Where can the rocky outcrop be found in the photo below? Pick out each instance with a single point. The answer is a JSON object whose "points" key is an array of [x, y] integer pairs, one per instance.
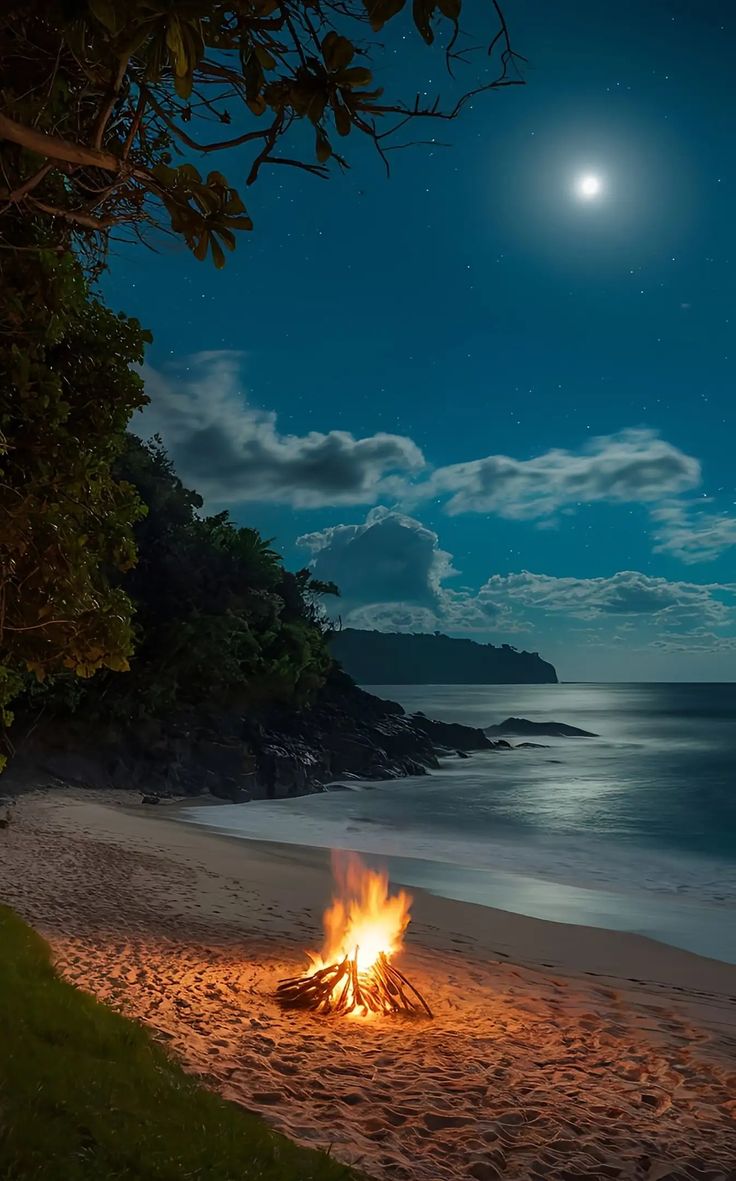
{"points": [[518, 726], [270, 754]]}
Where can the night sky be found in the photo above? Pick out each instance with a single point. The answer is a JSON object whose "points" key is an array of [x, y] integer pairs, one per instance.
{"points": [[482, 400]]}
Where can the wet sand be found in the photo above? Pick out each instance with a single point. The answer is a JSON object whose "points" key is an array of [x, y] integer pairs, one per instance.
{"points": [[556, 1052]]}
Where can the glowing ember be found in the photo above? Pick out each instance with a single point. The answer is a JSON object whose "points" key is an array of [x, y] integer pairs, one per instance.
{"points": [[364, 927]]}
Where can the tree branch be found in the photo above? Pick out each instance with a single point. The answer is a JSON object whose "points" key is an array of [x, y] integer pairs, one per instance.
{"points": [[54, 148]]}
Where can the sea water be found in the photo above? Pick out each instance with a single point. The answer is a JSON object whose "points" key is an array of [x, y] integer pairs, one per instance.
{"points": [[633, 830]]}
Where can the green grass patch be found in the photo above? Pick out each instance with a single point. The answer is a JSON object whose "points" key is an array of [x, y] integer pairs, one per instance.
{"points": [[86, 1095]]}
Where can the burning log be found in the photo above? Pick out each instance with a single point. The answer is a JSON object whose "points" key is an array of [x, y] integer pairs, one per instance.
{"points": [[341, 988], [363, 929]]}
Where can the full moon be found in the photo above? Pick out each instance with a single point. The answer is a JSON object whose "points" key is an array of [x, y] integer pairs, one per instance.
{"points": [[588, 186]]}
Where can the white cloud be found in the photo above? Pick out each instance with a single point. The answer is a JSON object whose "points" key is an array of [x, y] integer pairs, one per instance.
{"points": [[232, 452], [693, 533], [628, 593], [393, 575], [633, 465]]}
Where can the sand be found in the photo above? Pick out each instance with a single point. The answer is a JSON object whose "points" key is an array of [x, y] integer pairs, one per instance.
{"points": [[555, 1053]]}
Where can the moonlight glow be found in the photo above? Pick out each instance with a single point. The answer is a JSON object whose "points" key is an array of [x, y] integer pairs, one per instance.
{"points": [[589, 186]]}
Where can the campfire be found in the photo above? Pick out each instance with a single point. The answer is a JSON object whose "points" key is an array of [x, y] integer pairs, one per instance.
{"points": [[354, 973]]}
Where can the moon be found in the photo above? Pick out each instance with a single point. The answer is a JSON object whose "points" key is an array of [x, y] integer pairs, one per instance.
{"points": [[589, 186]]}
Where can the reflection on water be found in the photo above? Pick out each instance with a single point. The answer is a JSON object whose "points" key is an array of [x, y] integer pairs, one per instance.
{"points": [[634, 830]]}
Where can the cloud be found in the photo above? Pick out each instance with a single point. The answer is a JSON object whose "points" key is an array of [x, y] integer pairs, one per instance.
{"points": [[389, 558], [628, 594], [233, 452], [391, 572], [393, 575], [633, 465], [692, 533]]}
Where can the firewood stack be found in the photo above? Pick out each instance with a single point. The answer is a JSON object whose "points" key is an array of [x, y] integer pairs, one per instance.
{"points": [[341, 989]]}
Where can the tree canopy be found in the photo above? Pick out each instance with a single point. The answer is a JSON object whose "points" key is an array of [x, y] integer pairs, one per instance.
{"points": [[106, 103], [67, 394], [217, 617]]}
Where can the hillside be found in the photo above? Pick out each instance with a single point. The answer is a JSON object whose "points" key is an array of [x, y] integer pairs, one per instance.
{"points": [[398, 658]]}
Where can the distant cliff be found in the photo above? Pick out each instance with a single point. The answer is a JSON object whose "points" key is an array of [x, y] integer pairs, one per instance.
{"points": [[399, 658]]}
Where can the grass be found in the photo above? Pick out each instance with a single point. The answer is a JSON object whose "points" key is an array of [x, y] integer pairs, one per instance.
{"points": [[86, 1095]]}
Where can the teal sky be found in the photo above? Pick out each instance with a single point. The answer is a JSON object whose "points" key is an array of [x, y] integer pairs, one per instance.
{"points": [[477, 399]]}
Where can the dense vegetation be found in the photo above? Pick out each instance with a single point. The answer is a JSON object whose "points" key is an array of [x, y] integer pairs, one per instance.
{"points": [[397, 658], [66, 394], [85, 1094], [217, 617], [103, 98]]}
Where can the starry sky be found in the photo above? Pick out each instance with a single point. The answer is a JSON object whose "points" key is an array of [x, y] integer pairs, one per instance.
{"points": [[478, 400]]}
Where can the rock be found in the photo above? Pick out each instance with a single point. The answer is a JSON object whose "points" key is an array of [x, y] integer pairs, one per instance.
{"points": [[452, 734], [150, 799], [524, 726], [531, 746], [270, 753]]}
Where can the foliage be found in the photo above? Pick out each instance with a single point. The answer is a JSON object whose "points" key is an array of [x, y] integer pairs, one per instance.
{"points": [[66, 393], [86, 1094], [103, 98], [217, 617]]}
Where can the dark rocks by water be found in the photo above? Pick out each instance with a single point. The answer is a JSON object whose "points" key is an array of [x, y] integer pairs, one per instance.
{"points": [[267, 754], [520, 726]]}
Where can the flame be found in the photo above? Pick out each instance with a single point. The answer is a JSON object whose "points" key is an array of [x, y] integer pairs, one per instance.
{"points": [[364, 920]]}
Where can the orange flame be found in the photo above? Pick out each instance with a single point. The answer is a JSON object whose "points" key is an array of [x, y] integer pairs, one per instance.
{"points": [[363, 915]]}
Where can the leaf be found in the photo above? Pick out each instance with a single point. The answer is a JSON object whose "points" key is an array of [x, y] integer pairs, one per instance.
{"points": [[380, 11], [217, 253], [450, 9], [183, 84], [337, 51], [104, 12], [323, 146], [266, 59], [227, 236], [355, 76], [257, 104], [200, 250], [422, 12], [343, 122]]}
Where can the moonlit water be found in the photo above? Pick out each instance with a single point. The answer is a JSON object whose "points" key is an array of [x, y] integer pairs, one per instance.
{"points": [[634, 830]]}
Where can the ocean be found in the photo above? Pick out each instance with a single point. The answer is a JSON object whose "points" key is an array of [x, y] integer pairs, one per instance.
{"points": [[633, 830]]}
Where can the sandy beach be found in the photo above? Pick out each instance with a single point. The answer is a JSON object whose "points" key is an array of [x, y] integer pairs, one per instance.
{"points": [[555, 1052]]}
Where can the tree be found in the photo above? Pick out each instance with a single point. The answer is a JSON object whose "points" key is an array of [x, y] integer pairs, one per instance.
{"points": [[217, 618], [102, 99], [67, 394]]}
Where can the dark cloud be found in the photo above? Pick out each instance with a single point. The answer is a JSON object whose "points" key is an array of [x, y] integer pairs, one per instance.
{"points": [[232, 452]]}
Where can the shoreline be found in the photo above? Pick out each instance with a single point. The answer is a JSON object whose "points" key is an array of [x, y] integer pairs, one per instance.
{"points": [[676, 919], [539, 1026]]}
